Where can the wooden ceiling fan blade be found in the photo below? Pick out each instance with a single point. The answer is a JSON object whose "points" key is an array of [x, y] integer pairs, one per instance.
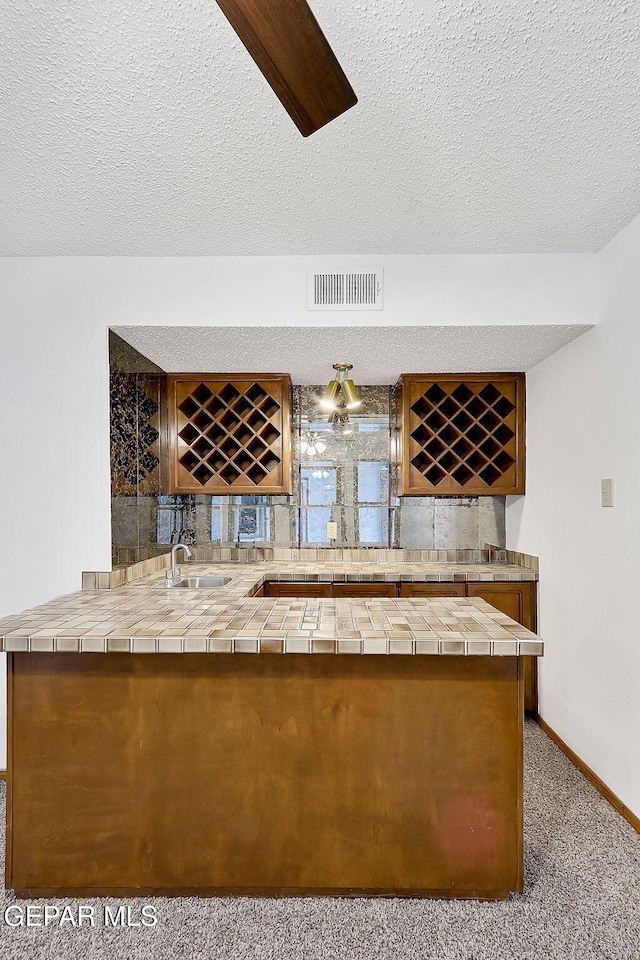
{"points": [[286, 42]]}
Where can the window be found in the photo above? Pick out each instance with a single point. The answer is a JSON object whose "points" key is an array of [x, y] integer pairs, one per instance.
{"points": [[251, 519], [170, 519], [373, 499], [318, 493]]}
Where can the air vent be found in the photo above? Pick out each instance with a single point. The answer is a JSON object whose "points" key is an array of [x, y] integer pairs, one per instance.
{"points": [[345, 291]]}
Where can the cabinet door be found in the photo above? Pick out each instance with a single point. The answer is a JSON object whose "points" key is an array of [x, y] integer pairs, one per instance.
{"points": [[303, 590], [364, 590], [460, 434], [432, 590], [229, 433], [518, 601]]}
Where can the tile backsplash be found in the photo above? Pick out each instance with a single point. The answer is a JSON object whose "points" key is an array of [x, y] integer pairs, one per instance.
{"points": [[350, 482]]}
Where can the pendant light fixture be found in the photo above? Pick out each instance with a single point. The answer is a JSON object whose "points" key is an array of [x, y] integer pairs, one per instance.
{"points": [[341, 391]]}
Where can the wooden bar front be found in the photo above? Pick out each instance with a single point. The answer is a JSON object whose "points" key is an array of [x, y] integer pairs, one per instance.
{"points": [[264, 775]]}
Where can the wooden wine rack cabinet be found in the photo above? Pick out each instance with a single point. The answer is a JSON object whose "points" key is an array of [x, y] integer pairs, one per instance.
{"points": [[230, 433], [461, 434]]}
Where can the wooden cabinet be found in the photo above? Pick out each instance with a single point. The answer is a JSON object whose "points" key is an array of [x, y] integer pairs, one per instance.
{"points": [[364, 589], [433, 590], [288, 589], [518, 601], [513, 598], [327, 590], [229, 433], [460, 434], [282, 776]]}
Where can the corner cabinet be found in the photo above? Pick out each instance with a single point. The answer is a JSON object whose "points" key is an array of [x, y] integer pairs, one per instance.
{"points": [[229, 433], [460, 434]]}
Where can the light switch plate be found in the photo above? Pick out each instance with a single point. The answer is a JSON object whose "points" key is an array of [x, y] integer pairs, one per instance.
{"points": [[332, 530], [607, 492]]}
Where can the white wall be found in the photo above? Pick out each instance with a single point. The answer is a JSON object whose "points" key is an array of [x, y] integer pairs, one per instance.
{"points": [[271, 291], [54, 315], [583, 424]]}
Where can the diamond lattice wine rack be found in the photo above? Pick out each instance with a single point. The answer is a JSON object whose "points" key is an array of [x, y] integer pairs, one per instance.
{"points": [[461, 434], [230, 433]]}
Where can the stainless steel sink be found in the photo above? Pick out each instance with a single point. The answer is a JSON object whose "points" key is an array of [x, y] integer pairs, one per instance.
{"points": [[201, 583]]}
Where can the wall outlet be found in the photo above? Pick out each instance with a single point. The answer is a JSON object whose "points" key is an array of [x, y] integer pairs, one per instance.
{"points": [[332, 531], [607, 492]]}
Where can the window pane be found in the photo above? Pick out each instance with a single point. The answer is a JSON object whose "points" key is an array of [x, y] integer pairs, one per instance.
{"points": [[373, 526], [373, 482], [170, 519], [319, 484], [372, 427], [313, 524], [251, 523], [216, 523]]}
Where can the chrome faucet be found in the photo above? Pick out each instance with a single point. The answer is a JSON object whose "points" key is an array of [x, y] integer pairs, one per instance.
{"points": [[173, 574]]}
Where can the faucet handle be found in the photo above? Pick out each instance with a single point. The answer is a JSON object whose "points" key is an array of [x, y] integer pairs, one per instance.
{"points": [[172, 576]]}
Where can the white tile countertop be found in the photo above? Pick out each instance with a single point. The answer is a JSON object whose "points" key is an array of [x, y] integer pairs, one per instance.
{"points": [[144, 617]]}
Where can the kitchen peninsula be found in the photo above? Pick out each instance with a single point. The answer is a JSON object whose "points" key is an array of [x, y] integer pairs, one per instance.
{"points": [[370, 746]]}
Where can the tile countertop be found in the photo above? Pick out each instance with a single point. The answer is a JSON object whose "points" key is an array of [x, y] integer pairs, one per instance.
{"points": [[144, 617]]}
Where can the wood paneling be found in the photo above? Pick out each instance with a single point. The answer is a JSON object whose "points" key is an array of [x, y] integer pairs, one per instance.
{"points": [[460, 434], [230, 433], [518, 601], [265, 775]]}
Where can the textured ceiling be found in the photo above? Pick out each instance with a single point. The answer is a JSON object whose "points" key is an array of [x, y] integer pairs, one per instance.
{"points": [[484, 126], [378, 354]]}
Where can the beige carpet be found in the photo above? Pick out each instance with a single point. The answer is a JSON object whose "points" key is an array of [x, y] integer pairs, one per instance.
{"points": [[582, 901]]}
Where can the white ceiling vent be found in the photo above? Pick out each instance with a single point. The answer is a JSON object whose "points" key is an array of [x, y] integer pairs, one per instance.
{"points": [[345, 291]]}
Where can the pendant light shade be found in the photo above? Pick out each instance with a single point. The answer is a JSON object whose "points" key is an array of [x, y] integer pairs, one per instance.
{"points": [[341, 393], [330, 398], [351, 398]]}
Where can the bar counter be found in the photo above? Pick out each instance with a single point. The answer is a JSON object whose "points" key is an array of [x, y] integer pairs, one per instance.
{"points": [[393, 773], [142, 617]]}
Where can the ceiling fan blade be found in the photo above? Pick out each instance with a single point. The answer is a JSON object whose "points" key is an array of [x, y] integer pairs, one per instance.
{"points": [[286, 42]]}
